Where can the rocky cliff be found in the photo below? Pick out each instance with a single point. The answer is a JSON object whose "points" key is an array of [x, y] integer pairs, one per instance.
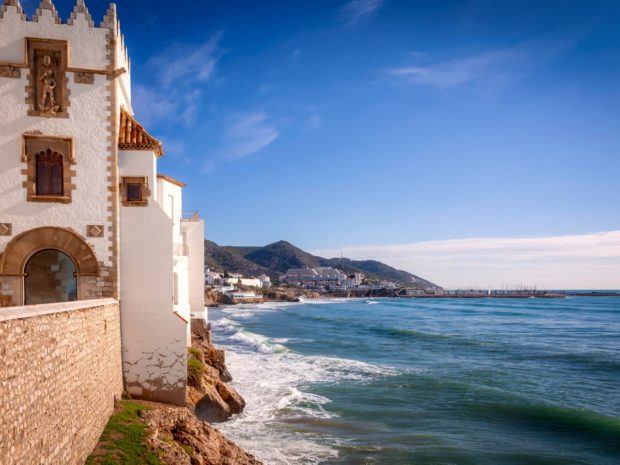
{"points": [[208, 394], [162, 434], [181, 439]]}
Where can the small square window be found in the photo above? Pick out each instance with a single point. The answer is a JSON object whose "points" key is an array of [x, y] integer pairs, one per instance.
{"points": [[134, 192]]}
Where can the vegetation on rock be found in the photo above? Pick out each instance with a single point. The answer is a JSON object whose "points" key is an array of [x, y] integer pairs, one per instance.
{"points": [[195, 367], [124, 439], [213, 400], [148, 433]]}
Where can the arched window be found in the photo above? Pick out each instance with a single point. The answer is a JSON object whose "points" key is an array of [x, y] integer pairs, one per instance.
{"points": [[50, 277], [49, 173]]}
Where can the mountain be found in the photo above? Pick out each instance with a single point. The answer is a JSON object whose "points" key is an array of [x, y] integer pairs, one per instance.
{"points": [[275, 259], [227, 259], [280, 256]]}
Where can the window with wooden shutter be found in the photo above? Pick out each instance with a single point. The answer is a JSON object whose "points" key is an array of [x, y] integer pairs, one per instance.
{"points": [[48, 168], [49, 173]]}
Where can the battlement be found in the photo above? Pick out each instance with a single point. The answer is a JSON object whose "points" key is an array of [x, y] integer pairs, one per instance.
{"points": [[47, 10], [51, 25]]}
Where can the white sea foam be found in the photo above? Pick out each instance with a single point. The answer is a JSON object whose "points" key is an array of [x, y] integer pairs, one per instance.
{"points": [[260, 343], [275, 382], [225, 325]]}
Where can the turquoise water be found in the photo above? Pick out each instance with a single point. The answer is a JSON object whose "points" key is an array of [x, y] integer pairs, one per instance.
{"points": [[393, 381]]}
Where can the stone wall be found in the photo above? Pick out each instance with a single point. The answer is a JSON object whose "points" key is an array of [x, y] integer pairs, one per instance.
{"points": [[60, 373]]}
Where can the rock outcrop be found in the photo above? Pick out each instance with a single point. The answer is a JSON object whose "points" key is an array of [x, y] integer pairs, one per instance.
{"points": [[151, 432], [208, 394], [181, 439]]}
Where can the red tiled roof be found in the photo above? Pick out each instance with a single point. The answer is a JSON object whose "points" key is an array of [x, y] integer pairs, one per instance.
{"points": [[132, 136]]}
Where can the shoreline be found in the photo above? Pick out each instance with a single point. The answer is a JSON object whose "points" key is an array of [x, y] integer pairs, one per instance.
{"points": [[337, 296]]}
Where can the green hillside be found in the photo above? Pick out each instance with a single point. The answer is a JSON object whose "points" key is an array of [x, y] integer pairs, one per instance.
{"points": [[275, 259]]}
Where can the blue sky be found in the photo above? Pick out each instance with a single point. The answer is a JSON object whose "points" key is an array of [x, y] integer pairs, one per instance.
{"points": [[376, 122]]}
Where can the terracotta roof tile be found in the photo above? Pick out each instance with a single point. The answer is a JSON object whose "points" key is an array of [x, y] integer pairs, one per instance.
{"points": [[132, 136]]}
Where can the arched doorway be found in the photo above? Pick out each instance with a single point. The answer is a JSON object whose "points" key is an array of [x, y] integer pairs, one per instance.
{"points": [[50, 277], [26, 246]]}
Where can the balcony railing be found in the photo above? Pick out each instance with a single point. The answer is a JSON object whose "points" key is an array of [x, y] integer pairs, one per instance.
{"points": [[180, 250], [190, 216]]}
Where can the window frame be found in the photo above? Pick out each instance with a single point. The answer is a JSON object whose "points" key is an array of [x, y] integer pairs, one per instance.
{"points": [[32, 146], [145, 192]]}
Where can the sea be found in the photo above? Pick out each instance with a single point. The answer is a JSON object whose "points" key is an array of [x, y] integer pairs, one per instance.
{"points": [[426, 381]]}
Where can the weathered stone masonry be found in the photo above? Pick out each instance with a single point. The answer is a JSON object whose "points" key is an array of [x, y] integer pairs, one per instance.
{"points": [[60, 373]]}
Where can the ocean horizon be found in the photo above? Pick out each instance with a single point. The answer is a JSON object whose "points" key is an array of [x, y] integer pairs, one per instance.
{"points": [[425, 381]]}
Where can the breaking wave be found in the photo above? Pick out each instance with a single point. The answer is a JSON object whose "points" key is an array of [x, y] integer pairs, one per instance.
{"points": [[275, 382]]}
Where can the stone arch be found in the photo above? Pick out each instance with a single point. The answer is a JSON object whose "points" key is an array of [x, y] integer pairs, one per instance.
{"points": [[26, 244]]}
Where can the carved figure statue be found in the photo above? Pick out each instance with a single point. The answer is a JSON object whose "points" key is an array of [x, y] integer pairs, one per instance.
{"points": [[48, 86]]}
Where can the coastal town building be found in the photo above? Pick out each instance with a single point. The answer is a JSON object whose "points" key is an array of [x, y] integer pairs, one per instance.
{"points": [[243, 297], [215, 278], [354, 280], [84, 213], [322, 278], [265, 281]]}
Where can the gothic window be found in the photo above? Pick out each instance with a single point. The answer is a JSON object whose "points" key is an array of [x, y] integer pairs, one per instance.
{"points": [[135, 191], [49, 173]]}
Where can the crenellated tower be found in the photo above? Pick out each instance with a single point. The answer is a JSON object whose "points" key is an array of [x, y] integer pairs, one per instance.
{"points": [[65, 83]]}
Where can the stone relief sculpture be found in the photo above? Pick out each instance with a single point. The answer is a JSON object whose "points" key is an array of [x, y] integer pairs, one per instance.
{"points": [[47, 93], [48, 85], [84, 77], [10, 71]]}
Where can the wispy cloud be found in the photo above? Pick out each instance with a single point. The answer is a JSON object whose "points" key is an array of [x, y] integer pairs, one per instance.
{"points": [[498, 65], [314, 122], [151, 106], [180, 73], [154, 105], [355, 11], [188, 63], [248, 135], [586, 261]]}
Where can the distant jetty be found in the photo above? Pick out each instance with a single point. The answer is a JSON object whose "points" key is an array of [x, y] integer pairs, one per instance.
{"points": [[489, 294], [412, 293], [502, 294]]}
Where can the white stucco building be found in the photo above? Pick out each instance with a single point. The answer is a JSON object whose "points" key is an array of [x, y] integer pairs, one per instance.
{"points": [[84, 213], [215, 278], [315, 278]]}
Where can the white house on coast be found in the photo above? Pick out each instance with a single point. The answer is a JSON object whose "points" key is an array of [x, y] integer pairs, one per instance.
{"points": [[215, 278], [84, 213]]}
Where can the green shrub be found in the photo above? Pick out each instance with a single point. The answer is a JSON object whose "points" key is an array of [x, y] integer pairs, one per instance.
{"points": [[195, 370], [195, 352]]}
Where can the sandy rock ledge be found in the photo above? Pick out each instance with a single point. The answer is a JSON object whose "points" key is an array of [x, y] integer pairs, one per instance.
{"points": [[182, 439]]}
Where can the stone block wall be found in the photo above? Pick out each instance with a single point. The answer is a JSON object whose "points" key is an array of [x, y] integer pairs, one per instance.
{"points": [[60, 374]]}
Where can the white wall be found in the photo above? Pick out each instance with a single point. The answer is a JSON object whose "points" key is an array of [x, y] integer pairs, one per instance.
{"points": [[194, 232], [154, 338], [170, 197], [87, 123]]}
